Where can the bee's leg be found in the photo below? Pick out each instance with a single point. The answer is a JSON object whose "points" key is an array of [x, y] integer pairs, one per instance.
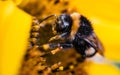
{"points": [[69, 66], [55, 47], [57, 37]]}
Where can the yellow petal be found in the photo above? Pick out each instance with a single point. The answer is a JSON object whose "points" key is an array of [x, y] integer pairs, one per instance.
{"points": [[17, 2], [14, 31], [102, 69]]}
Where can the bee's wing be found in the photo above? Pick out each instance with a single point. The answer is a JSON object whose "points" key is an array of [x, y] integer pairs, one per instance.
{"points": [[95, 42]]}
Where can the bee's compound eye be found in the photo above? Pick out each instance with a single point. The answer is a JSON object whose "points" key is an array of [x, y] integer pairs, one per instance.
{"points": [[65, 20], [63, 23]]}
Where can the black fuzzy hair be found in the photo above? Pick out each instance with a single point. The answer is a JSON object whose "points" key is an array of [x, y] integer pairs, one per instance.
{"points": [[85, 27]]}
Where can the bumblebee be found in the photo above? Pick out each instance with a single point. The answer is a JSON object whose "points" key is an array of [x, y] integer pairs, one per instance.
{"points": [[77, 32], [70, 31]]}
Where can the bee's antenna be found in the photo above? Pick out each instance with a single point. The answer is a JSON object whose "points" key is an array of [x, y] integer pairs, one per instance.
{"points": [[53, 15]]}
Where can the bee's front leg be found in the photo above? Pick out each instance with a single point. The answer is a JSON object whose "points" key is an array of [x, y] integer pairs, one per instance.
{"points": [[59, 37], [55, 47]]}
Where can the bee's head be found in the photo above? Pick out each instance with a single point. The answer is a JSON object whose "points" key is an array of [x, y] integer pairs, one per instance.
{"points": [[63, 23]]}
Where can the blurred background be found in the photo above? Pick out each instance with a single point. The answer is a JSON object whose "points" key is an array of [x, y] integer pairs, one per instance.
{"points": [[16, 19]]}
